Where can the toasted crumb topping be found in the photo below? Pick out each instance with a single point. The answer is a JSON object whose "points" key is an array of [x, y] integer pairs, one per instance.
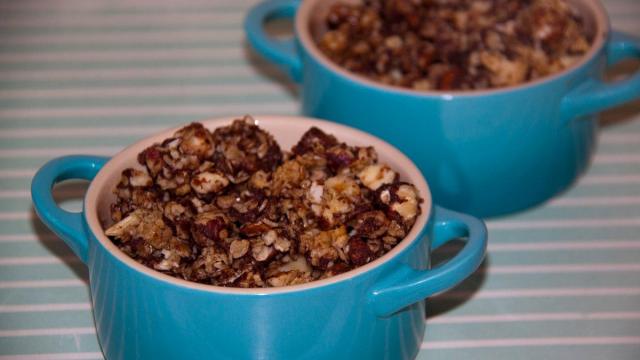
{"points": [[228, 207]]}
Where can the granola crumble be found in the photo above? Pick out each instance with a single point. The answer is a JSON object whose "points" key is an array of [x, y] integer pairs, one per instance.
{"points": [[229, 208], [453, 44]]}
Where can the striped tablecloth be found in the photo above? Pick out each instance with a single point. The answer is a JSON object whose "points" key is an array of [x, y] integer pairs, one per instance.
{"points": [[560, 282]]}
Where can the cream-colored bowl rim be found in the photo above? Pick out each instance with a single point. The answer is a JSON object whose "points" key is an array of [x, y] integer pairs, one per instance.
{"points": [[98, 188], [303, 32]]}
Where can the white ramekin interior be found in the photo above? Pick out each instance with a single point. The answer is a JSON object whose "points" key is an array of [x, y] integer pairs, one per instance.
{"points": [[286, 130], [309, 22]]}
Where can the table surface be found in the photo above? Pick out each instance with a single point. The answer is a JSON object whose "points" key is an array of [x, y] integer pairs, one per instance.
{"points": [[560, 281]]}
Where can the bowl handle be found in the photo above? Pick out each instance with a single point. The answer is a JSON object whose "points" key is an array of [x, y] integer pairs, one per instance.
{"points": [[406, 286], [67, 225], [595, 95], [281, 52]]}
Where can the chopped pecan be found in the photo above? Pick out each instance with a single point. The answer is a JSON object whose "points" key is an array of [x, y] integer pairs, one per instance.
{"points": [[209, 182], [359, 252]]}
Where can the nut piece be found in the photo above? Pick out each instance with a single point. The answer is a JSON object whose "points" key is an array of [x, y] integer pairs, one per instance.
{"points": [[359, 252], [142, 224], [173, 210], [315, 141], [407, 204], [504, 72], [209, 182], [288, 175], [289, 278], [238, 248], [324, 247], [140, 178], [152, 159], [371, 224], [299, 264], [259, 180], [210, 227], [261, 251], [195, 140], [122, 228], [340, 195], [374, 176]]}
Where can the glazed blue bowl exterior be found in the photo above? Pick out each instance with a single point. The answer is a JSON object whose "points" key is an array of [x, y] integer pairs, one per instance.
{"points": [[374, 312], [486, 153]]}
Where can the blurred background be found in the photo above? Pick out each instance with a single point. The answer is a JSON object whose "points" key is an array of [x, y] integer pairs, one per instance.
{"points": [[91, 77]]}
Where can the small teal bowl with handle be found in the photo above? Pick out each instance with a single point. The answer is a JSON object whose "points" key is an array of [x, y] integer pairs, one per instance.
{"points": [[487, 153], [376, 311]]}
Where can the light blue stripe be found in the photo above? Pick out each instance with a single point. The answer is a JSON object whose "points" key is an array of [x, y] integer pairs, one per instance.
{"points": [[53, 142], [274, 97], [593, 233], [44, 272], [499, 282], [125, 46], [44, 296], [618, 352], [536, 329], [8, 32], [69, 10], [260, 77], [26, 249], [529, 305], [50, 344], [78, 64], [45, 320]]}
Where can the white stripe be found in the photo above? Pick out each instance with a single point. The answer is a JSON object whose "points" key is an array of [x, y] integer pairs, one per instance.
{"points": [[593, 201], [568, 245], [537, 293], [122, 5], [51, 152], [16, 173], [44, 307], [137, 73], [58, 193], [124, 37], [37, 284], [610, 179], [519, 342], [47, 332], [563, 268], [562, 223], [621, 8], [623, 158], [20, 194], [559, 316], [620, 138], [14, 194], [75, 132], [27, 237], [56, 356], [142, 91], [117, 20], [14, 215], [123, 56], [184, 111], [37, 260]]}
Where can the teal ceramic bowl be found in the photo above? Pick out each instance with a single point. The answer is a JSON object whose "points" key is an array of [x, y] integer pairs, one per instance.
{"points": [[487, 153], [376, 311]]}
